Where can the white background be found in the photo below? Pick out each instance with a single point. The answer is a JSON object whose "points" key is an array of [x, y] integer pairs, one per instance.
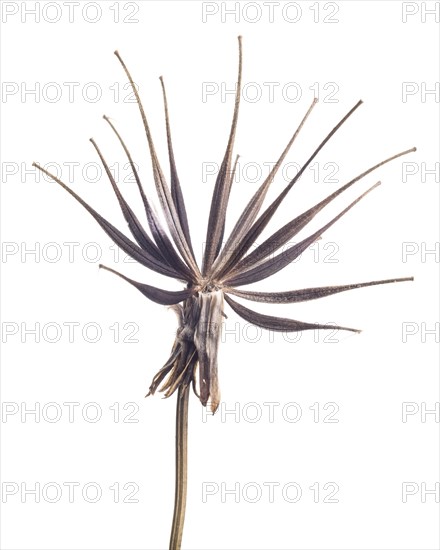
{"points": [[369, 52]]}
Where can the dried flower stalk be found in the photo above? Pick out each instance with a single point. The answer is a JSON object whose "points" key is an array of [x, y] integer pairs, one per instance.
{"points": [[225, 267]]}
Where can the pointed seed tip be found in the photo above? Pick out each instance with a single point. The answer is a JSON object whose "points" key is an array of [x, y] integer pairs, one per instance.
{"points": [[354, 330]]}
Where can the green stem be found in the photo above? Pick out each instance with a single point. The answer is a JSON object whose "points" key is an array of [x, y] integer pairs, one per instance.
{"points": [[181, 467]]}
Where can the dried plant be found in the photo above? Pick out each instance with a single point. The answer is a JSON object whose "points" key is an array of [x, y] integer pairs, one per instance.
{"points": [[226, 267]]}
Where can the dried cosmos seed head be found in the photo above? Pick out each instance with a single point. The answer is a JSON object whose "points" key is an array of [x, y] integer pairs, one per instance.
{"points": [[225, 266]]}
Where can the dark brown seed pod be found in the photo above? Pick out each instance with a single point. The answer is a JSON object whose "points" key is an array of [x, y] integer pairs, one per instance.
{"points": [[225, 266]]}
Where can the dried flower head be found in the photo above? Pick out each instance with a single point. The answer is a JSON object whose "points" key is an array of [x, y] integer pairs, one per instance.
{"points": [[226, 266]]}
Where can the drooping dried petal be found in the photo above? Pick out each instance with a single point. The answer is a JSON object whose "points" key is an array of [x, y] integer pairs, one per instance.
{"points": [[179, 369], [206, 339], [159, 376], [182, 370]]}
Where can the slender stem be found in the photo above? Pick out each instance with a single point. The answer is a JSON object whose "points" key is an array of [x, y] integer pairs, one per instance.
{"points": [[181, 467]]}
